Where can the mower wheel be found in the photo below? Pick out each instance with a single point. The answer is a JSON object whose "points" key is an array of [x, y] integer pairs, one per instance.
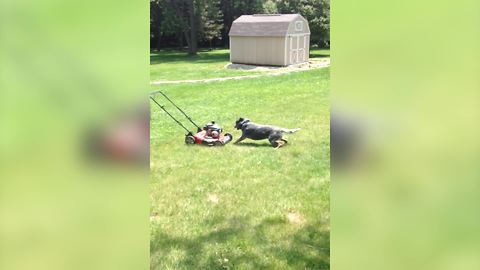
{"points": [[228, 138], [189, 139]]}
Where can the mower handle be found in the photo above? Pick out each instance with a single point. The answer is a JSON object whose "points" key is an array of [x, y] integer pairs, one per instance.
{"points": [[188, 117]]}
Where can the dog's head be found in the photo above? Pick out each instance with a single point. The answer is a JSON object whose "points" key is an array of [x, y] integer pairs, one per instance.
{"points": [[240, 122]]}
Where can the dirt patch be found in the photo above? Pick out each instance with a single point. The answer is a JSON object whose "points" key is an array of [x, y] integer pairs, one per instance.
{"points": [[245, 67], [295, 218], [312, 63], [154, 216], [213, 198]]}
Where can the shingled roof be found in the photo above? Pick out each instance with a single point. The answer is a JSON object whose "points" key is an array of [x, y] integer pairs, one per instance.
{"points": [[262, 25]]}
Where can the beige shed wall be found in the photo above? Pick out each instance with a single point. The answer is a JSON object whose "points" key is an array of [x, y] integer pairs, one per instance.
{"points": [[258, 50]]}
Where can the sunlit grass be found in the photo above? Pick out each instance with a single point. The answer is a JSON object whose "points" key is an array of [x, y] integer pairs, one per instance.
{"points": [[245, 206]]}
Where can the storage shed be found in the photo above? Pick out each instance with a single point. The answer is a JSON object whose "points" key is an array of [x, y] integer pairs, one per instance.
{"points": [[270, 39]]}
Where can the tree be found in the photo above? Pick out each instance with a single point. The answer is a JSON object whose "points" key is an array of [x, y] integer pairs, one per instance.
{"points": [[164, 21], [192, 28], [232, 9], [156, 15], [270, 7], [203, 21], [317, 13], [192, 20], [211, 22]]}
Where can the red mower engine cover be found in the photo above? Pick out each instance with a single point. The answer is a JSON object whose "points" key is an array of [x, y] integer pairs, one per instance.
{"points": [[202, 138]]}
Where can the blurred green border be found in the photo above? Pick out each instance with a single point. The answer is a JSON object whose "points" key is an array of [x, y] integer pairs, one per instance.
{"points": [[405, 79], [69, 70]]}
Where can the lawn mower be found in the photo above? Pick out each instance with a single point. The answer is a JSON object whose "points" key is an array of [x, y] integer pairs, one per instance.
{"points": [[210, 134]]}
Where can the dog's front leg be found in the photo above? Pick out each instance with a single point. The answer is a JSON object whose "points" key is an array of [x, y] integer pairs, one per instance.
{"points": [[240, 139]]}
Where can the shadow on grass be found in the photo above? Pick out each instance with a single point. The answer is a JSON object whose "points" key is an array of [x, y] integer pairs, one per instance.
{"points": [[204, 56], [252, 144], [178, 56], [320, 55], [238, 242]]}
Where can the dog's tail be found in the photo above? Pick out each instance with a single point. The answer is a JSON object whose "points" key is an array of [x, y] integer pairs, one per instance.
{"points": [[290, 131]]}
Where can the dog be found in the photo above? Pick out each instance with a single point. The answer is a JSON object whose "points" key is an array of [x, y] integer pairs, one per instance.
{"points": [[251, 130]]}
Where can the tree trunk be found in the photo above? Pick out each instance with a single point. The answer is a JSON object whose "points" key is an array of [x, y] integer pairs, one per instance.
{"points": [[187, 38], [192, 46], [227, 10], [179, 11], [180, 40], [159, 39], [156, 15]]}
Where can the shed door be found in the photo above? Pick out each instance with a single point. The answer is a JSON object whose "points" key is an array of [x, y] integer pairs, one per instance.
{"points": [[297, 49], [301, 49], [293, 49]]}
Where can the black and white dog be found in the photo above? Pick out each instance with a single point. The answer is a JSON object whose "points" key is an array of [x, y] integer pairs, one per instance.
{"points": [[255, 131]]}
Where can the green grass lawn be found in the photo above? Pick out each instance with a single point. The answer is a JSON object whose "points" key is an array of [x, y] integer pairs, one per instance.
{"points": [[245, 206], [176, 65]]}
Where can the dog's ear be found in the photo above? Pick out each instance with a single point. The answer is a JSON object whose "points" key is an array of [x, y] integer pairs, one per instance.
{"points": [[240, 119]]}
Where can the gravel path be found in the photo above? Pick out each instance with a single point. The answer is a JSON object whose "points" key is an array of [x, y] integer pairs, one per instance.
{"points": [[280, 71]]}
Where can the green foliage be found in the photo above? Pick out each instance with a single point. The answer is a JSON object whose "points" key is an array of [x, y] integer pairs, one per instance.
{"points": [[270, 7], [211, 21], [317, 13], [213, 18], [164, 17], [248, 6]]}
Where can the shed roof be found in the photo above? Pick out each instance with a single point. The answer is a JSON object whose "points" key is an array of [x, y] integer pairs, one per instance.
{"points": [[262, 25]]}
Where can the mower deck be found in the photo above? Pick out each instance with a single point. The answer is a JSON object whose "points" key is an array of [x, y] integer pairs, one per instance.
{"points": [[202, 138]]}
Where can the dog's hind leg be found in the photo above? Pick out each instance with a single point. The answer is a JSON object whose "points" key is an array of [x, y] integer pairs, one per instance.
{"points": [[276, 140], [280, 143]]}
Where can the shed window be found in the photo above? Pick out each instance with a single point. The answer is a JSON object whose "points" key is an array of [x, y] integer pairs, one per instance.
{"points": [[298, 26]]}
